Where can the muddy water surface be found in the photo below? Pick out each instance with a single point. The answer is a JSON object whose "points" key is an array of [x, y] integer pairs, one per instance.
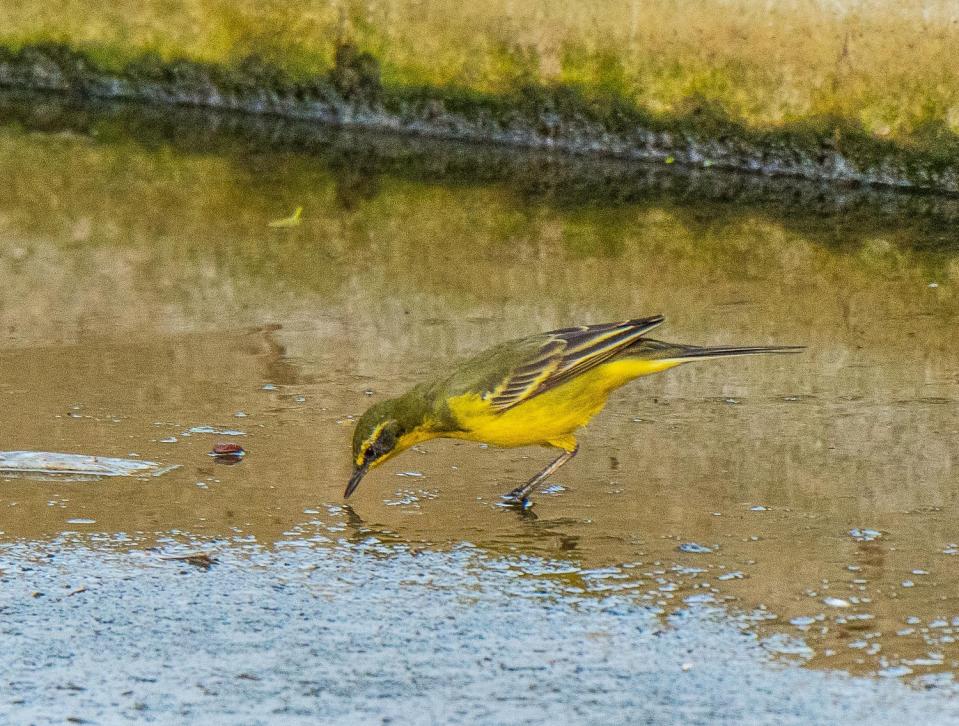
{"points": [[143, 295]]}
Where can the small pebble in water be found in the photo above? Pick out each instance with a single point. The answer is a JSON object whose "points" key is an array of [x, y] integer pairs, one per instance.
{"points": [[228, 449], [228, 453]]}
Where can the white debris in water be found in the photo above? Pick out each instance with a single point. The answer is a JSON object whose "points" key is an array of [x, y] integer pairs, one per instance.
{"points": [[168, 440], [213, 430], [46, 462], [410, 474], [933, 285], [865, 535], [907, 583], [81, 520]]}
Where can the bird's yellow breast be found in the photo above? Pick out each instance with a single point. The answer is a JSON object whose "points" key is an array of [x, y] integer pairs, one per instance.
{"points": [[550, 417]]}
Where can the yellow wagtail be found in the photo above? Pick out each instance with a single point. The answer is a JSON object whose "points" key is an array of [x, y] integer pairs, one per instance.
{"points": [[535, 390]]}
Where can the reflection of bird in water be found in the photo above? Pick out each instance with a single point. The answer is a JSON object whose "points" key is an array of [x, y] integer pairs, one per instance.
{"points": [[535, 390]]}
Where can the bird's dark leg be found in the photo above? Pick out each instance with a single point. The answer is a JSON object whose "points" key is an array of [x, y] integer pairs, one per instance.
{"points": [[521, 493]]}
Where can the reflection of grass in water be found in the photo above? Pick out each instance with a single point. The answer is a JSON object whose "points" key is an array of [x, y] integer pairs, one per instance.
{"points": [[191, 206], [878, 63]]}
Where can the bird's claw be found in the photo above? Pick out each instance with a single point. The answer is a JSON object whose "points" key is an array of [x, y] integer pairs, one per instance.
{"points": [[515, 500]]}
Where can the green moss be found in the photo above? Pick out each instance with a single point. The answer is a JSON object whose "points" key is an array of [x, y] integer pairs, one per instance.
{"points": [[582, 111]]}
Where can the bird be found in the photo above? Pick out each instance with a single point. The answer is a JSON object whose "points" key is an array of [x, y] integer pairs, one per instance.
{"points": [[537, 390]]}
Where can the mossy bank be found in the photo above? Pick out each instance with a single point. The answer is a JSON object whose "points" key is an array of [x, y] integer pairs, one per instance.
{"points": [[822, 91]]}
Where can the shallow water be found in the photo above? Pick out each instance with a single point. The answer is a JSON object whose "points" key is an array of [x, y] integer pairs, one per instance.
{"points": [[144, 294]]}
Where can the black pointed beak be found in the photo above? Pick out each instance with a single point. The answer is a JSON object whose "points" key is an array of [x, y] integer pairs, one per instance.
{"points": [[355, 480]]}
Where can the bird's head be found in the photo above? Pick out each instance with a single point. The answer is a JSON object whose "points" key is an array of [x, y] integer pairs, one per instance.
{"points": [[378, 436]]}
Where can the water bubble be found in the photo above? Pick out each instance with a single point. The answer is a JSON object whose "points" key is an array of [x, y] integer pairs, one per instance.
{"points": [[894, 671], [836, 602], [731, 576], [695, 548]]}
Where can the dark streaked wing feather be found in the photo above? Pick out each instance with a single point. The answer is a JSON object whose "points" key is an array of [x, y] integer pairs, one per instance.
{"points": [[563, 355]]}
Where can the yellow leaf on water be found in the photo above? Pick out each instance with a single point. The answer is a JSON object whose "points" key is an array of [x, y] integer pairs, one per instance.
{"points": [[292, 221]]}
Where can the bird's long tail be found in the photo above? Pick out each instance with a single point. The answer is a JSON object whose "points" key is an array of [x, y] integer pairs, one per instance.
{"points": [[651, 349]]}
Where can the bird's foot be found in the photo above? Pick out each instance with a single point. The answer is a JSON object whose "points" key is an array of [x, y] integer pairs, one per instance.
{"points": [[517, 499]]}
